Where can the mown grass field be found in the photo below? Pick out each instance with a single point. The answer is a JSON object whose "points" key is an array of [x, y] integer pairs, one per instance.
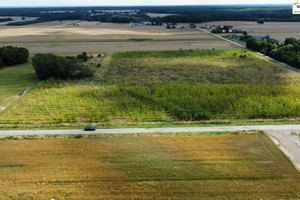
{"points": [[197, 166], [165, 87], [13, 80]]}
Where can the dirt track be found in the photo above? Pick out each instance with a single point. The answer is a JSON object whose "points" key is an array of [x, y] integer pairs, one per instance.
{"points": [[288, 143]]}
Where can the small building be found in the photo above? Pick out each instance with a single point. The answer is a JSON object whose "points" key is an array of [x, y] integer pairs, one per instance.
{"points": [[234, 36], [192, 26], [144, 23], [237, 31], [256, 37]]}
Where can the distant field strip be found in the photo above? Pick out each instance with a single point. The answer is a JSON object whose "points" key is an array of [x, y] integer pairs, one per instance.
{"points": [[228, 166], [111, 40]]}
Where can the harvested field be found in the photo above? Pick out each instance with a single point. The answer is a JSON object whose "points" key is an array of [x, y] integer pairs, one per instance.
{"points": [[97, 47], [105, 37], [276, 30], [234, 166]]}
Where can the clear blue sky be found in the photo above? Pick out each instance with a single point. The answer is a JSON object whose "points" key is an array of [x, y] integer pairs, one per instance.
{"points": [[58, 3]]}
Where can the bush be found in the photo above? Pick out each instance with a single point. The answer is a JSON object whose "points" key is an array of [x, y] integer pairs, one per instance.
{"points": [[49, 65]]}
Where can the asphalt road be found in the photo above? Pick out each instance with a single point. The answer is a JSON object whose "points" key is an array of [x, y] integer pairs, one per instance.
{"points": [[152, 130]]}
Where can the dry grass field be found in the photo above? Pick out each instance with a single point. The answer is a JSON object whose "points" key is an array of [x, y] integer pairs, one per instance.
{"points": [[276, 30], [61, 37], [197, 166]]}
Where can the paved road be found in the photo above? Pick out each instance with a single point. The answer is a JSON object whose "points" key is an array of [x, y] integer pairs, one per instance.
{"points": [[153, 130]]}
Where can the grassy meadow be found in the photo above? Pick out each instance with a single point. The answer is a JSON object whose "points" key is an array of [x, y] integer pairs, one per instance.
{"points": [[158, 166], [13, 80], [164, 87], [196, 67]]}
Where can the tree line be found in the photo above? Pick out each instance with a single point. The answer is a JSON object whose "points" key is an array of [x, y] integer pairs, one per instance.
{"points": [[288, 52], [10, 55]]}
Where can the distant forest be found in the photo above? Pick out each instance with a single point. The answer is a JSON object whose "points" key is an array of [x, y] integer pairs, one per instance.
{"points": [[183, 14]]}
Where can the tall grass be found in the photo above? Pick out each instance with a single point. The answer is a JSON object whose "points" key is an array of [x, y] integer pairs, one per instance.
{"points": [[199, 102], [91, 103], [196, 67]]}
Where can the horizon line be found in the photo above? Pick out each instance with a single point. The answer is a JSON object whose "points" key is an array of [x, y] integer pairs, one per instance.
{"points": [[87, 6]]}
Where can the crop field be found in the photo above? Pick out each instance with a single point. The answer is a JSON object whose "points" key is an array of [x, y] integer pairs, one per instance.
{"points": [[13, 80], [197, 67], [105, 37], [276, 30], [197, 166], [167, 87]]}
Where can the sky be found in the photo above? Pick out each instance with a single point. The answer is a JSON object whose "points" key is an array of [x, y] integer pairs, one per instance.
{"points": [[59, 3]]}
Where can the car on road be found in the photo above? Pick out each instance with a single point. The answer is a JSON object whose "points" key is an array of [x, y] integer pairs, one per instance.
{"points": [[89, 128]]}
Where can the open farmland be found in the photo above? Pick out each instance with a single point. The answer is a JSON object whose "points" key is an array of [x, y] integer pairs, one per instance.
{"points": [[197, 166], [197, 67], [105, 37], [165, 87], [276, 30], [13, 80]]}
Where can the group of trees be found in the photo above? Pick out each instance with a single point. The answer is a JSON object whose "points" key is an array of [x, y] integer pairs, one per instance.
{"points": [[288, 52], [10, 55], [5, 19], [52, 66], [47, 65]]}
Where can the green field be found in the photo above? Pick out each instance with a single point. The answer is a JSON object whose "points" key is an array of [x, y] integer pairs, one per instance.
{"points": [[196, 67], [13, 80], [158, 166], [165, 87]]}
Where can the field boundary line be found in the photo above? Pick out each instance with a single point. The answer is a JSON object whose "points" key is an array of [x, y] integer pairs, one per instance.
{"points": [[244, 47]]}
